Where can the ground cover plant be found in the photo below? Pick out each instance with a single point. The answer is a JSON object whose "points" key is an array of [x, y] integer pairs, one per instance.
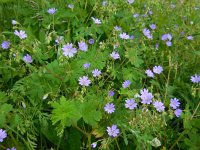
{"points": [[91, 74]]}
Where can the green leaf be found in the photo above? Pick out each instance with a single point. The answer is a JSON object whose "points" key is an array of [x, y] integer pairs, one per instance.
{"points": [[65, 113], [90, 114], [4, 110]]}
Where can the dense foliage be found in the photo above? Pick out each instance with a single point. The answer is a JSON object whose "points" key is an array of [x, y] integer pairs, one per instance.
{"points": [[91, 74]]}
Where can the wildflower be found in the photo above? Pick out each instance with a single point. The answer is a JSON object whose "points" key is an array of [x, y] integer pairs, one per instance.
{"points": [[111, 93], [3, 135], [146, 96], [115, 55], [135, 15], [82, 46], [59, 39], [126, 84], [91, 41], [93, 145], [21, 34], [5, 45], [116, 28], [132, 37], [52, 11], [190, 37], [96, 21], [149, 73], [169, 43], [27, 58], [86, 65], [166, 37], [130, 104], [147, 33], [159, 106], [130, 1], [152, 26], [96, 73], [124, 36], [113, 131], [104, 3], [68, 50], [13, 148], [157, 45], [150, 12], [71, 6], [14, 22], [84, 81], [157, 69], [178, 112], [174, 103], [109, 108], [195, 78]]}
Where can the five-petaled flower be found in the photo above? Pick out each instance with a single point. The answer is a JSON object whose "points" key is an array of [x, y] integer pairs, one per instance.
{"points": [[52, 11], [3, 135], [159, 106], [84, 81], [96, 73], [174, 103], [21, 34], [27, 58], [69, 50], [113, 131], [109, 108], [130, 104]]}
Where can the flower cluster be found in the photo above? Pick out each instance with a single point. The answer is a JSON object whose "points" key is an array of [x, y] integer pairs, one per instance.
{"points": [[156, 70], [174, 104], [167, 37]]}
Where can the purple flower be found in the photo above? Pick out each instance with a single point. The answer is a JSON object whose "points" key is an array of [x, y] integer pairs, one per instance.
{"points": [[150, 12], [84, 81], [130, 104], [111, 93], [14, 22], [166, 37], [126, 84], [195, 78], [115, 55], [93, 145], [190, 37], [21, 34], [71, 6], [52, 11], [178, 112], [147, 33], [83, 46], [131, 1], [5, 45], [109, 108], [169, 43], [113, 131], [96, 73], [68, 50], [149, 73], [174, 103], [152, 26], [96, 21], [27, 58], [13, 148], [86, 65], [59, 39], [124, 36], [3, 135], [116, 28], [146, 96], [104, 3], [159, 106], [91, 41], [157, 45], [157, 69], [135, 15]]}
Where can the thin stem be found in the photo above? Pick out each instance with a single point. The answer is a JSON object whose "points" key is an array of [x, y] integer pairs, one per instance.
{"points": [[195, 111], [117, 144]]}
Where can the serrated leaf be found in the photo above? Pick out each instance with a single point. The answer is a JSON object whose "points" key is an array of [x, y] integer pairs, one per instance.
{"points": [[4, 110], [90, 115], [65, 112]]}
